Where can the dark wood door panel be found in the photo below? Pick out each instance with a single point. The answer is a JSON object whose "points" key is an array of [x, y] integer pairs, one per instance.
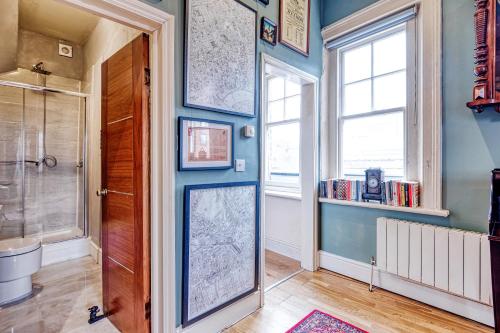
{"points": [[120, 156], [120, 219], [125, 174], [121, 297], [120, 94]]}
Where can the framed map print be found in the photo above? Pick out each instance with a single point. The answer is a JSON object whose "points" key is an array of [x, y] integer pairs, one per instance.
{"points": [[294, 27], [205, 144], [220, 56], [221, 236]]}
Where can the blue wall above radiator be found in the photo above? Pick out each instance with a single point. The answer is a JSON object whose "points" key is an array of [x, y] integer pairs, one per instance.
{"points": [[470, 144]]}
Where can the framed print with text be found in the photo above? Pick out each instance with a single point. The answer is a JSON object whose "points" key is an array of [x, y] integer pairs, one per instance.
{"points": [[205, 144], [294, 26]]}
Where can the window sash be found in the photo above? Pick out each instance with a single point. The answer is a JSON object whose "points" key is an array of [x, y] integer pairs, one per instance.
{"points": [[410, 116], [272, 184]]}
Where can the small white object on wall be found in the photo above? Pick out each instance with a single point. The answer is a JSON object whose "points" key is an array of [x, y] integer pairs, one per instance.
{"points": [[249, 131], [240, 165], [65, 50]]}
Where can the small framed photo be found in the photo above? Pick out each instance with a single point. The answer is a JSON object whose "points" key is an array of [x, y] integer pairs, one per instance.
{"points": [[268, 31], [205, 144]]}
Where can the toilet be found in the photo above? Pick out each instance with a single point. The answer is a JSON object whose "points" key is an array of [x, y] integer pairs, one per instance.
{"points": [[19, 259]]}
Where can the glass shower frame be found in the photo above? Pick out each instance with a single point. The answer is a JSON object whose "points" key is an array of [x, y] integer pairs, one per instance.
{"points": [[84, 151]]}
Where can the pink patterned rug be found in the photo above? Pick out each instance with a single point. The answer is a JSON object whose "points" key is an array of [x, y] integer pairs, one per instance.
{"points": [[320, 322]]}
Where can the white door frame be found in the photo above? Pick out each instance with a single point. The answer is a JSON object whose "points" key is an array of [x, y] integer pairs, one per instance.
{"points": [[160, 25], [309, 173]]}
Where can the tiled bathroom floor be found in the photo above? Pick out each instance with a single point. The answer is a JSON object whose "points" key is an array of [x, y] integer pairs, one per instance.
{"points": [[64, 293]]}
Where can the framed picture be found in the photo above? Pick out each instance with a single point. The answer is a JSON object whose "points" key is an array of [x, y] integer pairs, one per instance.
{"points": [[220, 57], [268, 31], [294, 27], [205, 144], [221, 247]]}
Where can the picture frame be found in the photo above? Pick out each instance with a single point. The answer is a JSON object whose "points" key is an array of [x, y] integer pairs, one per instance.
{"points": [[268, 31], [205, 144], [212, 212], [294, 25], [221, 78]]}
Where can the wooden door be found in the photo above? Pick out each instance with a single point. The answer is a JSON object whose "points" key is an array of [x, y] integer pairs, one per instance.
{"points": [[125, 187]]}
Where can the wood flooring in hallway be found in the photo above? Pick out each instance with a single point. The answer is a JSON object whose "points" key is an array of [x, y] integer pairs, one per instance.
{"points": [[349, 300]]}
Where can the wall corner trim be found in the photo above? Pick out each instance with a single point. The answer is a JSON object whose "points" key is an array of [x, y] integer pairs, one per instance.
{"points": [[361, 271]]}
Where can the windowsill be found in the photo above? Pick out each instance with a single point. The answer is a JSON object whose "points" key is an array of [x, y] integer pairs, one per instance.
{"points": [[284, 194], [418, 210]]}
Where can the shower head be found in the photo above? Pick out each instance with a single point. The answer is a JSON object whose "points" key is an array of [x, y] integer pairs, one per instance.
{"points": [[38, 68]]}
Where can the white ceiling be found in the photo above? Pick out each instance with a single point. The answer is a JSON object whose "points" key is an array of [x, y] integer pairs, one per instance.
{"points": [[54, 19]]}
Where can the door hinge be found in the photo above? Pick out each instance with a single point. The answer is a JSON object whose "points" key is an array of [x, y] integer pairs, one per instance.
{"points": [[147, 76], [147, 310]]}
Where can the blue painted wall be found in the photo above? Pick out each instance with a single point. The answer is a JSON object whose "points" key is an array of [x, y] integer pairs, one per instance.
{"points": [[334, 10], [470, 144], [247, 149]]}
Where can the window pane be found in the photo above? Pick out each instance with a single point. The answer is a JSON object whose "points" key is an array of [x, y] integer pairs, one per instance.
{"points": [[283, 142], [389, 91], [275, 111], [389, 54], [292, 88], [371, 142], [357, 98], [276, 88], [357, 64], [292, 107]]}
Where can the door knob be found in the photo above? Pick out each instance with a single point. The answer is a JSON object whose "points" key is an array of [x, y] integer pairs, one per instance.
{"points": [[102, 193]]}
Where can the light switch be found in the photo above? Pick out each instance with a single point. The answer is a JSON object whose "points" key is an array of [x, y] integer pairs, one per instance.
{"points": [[240, 165], [249, 131]]}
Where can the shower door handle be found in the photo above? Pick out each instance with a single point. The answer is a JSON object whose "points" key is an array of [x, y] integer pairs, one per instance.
{"points": [[102, 193]]}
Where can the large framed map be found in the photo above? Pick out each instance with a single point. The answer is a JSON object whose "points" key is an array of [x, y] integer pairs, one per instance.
{"points": [[220, 56], [221, 237]]}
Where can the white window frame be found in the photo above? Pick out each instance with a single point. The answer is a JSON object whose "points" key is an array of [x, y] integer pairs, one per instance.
{"points": [[270, 184], [428, 104]]}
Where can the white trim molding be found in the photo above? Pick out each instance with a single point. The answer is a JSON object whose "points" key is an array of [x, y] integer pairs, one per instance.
{"points": [[284, 248], [161, 27], [429, 99], [361, 271]]}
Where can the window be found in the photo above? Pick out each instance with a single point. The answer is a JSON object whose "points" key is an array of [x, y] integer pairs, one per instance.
{"points": [[381, 101], [373, 104], [282, 129]]}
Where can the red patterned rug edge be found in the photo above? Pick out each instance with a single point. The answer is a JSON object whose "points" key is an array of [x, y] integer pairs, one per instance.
{"points": [[327, 314]]}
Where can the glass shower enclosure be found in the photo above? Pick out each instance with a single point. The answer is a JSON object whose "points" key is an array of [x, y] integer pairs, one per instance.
{"points": [[42, 162]]}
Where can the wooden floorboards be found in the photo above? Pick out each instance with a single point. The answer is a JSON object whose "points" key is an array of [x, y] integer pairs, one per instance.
{"points": [[349, 300], [279, 267]]}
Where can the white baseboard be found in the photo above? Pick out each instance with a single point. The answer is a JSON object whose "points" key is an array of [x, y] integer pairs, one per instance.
{"points": [[283, 248], [62, 251], [95, 251], [226, 317], [360, 271]]}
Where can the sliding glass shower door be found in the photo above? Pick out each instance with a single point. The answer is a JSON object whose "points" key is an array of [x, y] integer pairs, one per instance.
{"points": [[42, 174]]}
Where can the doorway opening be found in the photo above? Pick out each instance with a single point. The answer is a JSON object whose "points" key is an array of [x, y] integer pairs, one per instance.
{"points": [[289, 122], [52, 101]]}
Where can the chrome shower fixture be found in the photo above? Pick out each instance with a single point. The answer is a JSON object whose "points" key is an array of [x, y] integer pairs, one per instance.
{"points": [[39, 68]]}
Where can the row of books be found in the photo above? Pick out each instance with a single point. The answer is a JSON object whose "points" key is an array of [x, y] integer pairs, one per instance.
{"points": [[401, 193], [394, 193], [342, 189]]}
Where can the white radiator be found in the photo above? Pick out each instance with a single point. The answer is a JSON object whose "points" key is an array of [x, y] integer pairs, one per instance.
{"points": [[452, 260]]}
